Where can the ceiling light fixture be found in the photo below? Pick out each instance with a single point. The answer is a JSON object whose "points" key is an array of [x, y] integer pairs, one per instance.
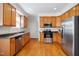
{"points": [[30, 9], [55, 8]]}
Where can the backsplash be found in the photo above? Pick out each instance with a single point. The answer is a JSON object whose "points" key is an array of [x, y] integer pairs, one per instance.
{"points": [[7, 30]]}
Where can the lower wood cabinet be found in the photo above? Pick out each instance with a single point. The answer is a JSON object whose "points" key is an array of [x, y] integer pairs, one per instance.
{"points": [[57, 37], [12, 46], [7, 46], [41, 37], [25, 38]]}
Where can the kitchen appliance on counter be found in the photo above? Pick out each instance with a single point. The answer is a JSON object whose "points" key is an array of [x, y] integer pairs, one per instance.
{"points": [[48, 33], [70, 35]]}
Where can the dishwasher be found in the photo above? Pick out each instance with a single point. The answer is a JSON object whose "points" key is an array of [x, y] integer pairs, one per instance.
{"points": [[18, 45]]}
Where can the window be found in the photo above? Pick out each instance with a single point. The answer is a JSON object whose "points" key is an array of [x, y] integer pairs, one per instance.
{"points": [[22, 21], [18, 20]]}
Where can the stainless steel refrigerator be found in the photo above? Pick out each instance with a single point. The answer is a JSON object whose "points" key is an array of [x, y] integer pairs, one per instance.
{"points": [[70, 35]]}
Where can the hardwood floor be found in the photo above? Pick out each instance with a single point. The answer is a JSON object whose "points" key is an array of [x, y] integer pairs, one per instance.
{"points": [[34, 48]]}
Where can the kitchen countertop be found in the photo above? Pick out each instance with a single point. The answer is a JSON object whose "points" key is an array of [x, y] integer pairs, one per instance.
{"points": [[11, 35], [52, 29]]}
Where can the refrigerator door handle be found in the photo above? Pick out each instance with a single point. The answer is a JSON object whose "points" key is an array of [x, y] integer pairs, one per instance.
{"points": [[62, 33]]}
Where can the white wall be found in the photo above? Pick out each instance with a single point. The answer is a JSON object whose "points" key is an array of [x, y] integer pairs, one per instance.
{"points": [[33, 26]]}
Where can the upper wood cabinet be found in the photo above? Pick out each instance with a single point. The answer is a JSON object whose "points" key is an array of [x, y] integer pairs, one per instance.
{"points": [[77, 10], [62, 17], [41, 22], [73, 11], [58, 21], [7, 15], [47, 19], [53, 21], [13, 16], [66, 15]]}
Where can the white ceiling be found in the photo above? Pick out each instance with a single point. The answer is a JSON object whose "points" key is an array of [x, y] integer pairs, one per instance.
{"points": [[45, 8]]}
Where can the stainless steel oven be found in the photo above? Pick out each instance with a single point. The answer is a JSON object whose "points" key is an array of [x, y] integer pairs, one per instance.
{"points": [[48, 33]]}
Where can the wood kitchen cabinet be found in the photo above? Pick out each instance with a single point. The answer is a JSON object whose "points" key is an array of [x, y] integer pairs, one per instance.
{"points": [[57, 37], [41, 22], [77, 10], [7, 46], [62, 16], [66, 15], [58, 21], [53, 21], [25, 38], [73, 12], [12, 46], [7, 15], [41, 37], [47, 19], [13, 22]]}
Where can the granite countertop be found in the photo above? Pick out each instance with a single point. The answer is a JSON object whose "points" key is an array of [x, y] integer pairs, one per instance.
{"points": [[11, 35], [52, 29]]}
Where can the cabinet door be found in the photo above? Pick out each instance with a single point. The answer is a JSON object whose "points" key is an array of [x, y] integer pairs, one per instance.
{"points": [[70, 13], [23, 40], [5, 47], [12, 46], [13, 16], [6, 14], [73, 11], [58, 21], [77, 10], [62, 17], [49, 19], [41, 22], [66, 15], [53, 21], [57, 37], [27, 37], [41, 37], [46, 20]]}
